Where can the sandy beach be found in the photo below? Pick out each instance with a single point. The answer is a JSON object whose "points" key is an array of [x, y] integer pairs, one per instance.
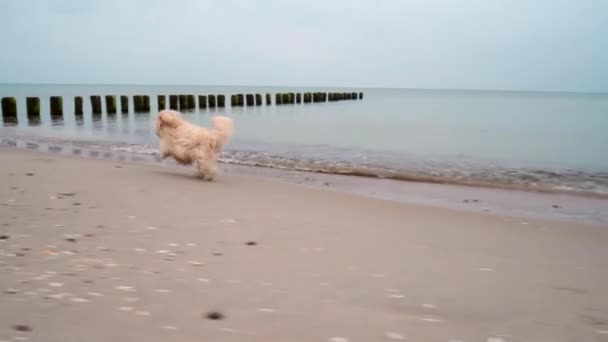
{"points": [[103, 250]]}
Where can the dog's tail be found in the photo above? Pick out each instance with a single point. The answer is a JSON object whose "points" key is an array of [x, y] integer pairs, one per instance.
{"points": [[223, 127], [167, 118]]}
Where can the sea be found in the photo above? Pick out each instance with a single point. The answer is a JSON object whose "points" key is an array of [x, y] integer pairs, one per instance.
{"points": [[538, 141]]}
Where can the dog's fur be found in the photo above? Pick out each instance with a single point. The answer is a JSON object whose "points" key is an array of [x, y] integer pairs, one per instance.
{"points": [[191, 144]]}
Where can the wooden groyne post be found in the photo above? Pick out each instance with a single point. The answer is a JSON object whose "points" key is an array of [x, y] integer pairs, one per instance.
{"points": [[110, 104], [141, 103], [9, 109], [234, 100], [249, 100], [221, 101], [202, 101], [183, 102], [56, 106], [173, 104], [278, 98], [307, 97], [211, 101], [162, 102], [96, 104], [124, 104], [33, 108], [78, 106], [258, 99], [268, 99]]}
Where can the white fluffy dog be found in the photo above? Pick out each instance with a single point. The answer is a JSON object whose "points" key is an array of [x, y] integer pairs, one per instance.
{"points": [[191, 144]]}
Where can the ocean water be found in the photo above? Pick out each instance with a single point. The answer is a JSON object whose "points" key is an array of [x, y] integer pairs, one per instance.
{"points": [[527, 140]]}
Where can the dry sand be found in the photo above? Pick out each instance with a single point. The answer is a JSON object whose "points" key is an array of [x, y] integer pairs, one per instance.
{"points": [[98, 250]]}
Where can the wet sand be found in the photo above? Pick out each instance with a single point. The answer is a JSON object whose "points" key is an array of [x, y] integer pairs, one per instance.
{"points": [[102, 250]]}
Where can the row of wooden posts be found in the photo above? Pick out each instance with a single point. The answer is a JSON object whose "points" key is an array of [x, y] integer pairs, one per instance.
{"points": [[141, 103]]}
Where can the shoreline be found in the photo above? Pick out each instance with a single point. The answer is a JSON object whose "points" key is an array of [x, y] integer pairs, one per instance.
{"points": [[107, 249], [583, 181], [522, 203]]}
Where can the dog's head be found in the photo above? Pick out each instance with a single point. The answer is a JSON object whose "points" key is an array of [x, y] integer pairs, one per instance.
{"points": [[167, 119]]}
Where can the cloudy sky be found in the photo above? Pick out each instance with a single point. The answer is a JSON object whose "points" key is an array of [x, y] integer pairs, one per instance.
{"points": [[473, 44]]}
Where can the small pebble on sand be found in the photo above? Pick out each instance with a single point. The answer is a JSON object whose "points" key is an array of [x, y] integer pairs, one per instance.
{"points": [[265, 310], [126, 308], [22, 327], [162, 291], [397, 296], [215, 315], [142, 313], [55, 284], [173, 245], [131, 217], [196, 263], [169, 327]]}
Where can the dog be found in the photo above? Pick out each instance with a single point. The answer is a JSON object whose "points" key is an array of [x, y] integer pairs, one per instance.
{"points": [[190, 144]]}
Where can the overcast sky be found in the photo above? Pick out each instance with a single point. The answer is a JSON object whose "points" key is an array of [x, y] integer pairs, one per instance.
{"points": [[472, 44]]}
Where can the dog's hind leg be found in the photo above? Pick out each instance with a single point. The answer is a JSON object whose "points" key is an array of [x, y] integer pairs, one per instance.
{"points": [[206, 169]]}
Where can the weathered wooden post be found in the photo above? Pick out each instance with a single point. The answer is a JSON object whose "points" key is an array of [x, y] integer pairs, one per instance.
{"points": [[330, 97], [78, 106], [258, 99], [285, 98], [360, 96], [9, 109], [278, 98], [182, 102], [268, 99], [146, 103], [141, 103], [173, 102], [315, 97], [110, 104], [33, 108], [56, 106], [162, 102], [324, 97], [249, 100], [191, 102], [353, 96], [241, 99], [234, 100], [299, 98], [221, 101], [96, 104], [202, 101], [137, 103], [292, 98], [211, 101], [306, 97], [124, 104]]}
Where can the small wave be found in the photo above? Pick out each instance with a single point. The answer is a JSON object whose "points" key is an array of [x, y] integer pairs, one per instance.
{"points": [[578, 182]]}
